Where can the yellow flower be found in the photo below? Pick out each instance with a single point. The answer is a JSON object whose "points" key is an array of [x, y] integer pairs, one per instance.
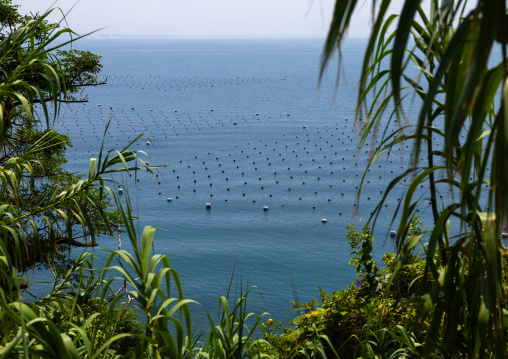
{"points": [[311, 314], [270, 321], [315, 312]]}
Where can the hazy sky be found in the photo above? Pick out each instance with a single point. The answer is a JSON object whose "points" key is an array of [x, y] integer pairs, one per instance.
{"points": [[198, 18]]}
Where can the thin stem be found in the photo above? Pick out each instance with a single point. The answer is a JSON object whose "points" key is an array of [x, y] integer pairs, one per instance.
{"points": [[432, 184]]}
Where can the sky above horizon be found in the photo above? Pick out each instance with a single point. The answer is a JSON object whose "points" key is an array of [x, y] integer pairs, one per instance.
{"points": [[203, 18]]}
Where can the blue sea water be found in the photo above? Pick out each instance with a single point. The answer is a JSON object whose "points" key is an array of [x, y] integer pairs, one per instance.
{"points": [[241, 124]]}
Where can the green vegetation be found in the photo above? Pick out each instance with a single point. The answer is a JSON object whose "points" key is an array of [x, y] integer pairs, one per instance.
{"points": [[371, 317], [442, 55], [440, 295], [35, 71], [136, 308]]}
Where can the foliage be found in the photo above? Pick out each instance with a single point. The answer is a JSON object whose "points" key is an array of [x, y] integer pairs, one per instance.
{"points": [[80, 68], [231, 337], [34, 71], [369, 278], [444, 298], [272, 331], [443, 55], [370, 316], [84, 320], [85, 317], [130, 324], [89, 312]]}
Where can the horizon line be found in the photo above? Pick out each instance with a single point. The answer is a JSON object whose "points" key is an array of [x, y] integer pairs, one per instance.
{"points": [[253, 37]]}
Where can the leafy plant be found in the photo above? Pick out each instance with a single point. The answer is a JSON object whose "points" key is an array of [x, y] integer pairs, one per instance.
{"points": [[369, 278], [230, 336], [272, 332], [363, 320], [459, 126], [88, 312], [50, 209]]}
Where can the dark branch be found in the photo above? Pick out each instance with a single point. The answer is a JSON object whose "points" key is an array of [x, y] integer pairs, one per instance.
{"points": [[15, 104], [75, 243], [94, 84], [33, 295]]}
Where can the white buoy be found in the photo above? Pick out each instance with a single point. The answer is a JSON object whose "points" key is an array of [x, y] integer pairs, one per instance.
{"points": [[208, 205], [265, 208], [170, 199], [324, 220], [148, 143], [393, 233]]}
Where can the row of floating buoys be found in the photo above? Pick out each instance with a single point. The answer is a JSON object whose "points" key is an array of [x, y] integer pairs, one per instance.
{"points": [[169, 83], [183, 123]]}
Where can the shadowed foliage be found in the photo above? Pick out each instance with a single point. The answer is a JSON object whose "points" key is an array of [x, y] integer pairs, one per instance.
{"points": [[36, 78]]}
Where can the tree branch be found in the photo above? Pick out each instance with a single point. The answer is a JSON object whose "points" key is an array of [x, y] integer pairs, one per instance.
{"points": [[15, 104], [33, 295], [94, 84], [75, 243]]}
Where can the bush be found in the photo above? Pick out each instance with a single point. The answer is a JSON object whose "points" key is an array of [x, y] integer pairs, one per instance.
{"points": [[373, 312]]}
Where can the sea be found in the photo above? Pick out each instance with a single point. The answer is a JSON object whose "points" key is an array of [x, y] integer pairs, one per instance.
{"points": [[261, 165]]}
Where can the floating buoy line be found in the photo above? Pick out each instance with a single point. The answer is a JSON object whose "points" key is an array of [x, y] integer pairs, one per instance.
{"points": [[299, 163]]}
